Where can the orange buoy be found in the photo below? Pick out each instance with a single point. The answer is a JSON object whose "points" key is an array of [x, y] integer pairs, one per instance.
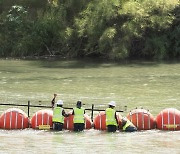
{"points": [[168, 119], [42, 119], [142, 119], [68, 122], [14, 118], [100, 121]]}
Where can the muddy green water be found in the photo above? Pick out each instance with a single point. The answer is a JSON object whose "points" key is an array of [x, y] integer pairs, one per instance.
{"points": [[151, 85]]}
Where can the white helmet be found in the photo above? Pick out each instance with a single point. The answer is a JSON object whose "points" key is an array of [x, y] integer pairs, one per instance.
{"points": [[59, 102], [112, 103]]}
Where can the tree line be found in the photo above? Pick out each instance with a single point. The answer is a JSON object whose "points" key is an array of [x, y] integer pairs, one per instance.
{"points": [[111, 29]]}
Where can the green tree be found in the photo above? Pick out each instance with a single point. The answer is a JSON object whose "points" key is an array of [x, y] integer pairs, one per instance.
{"points": [[113, 29]]}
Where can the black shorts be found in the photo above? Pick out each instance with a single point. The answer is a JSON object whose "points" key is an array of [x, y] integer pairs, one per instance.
{"points": [[78, 127], [57, 126], [111, 128]]}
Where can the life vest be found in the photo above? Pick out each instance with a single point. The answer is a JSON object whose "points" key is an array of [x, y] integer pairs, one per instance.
{"points": [[78, 115], [57, 115], [110, 117], [128, 123]]}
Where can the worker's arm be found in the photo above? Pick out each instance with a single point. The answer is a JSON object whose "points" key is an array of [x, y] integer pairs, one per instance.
{"points": [[64, 113], [116, 118], [124, 120], [73, 112], [53, 100]]}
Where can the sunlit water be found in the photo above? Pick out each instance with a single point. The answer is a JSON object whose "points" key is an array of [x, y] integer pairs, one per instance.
{"points": [[151, 85]]}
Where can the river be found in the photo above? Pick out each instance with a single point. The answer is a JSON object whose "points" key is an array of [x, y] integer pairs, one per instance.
{"points": [[151, 85]]}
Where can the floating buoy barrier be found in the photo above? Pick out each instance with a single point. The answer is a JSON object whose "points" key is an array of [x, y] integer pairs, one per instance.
{"points": [[142, 119], [42, 119], [100, 121], [168, 119], [14, 118], [69, 125]]}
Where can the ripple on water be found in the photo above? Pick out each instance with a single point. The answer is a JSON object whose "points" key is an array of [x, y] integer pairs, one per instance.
{"points": [[91, 141]]}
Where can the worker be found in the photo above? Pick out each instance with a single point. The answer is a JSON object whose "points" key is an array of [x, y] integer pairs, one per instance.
{"points": [[53, 101], [78, 120], [127, 125], [111, 119], [58, 116]]}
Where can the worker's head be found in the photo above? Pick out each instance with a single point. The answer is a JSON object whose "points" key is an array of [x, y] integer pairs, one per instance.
{"points": [[112, 104], [59, 103], [79, 104]]}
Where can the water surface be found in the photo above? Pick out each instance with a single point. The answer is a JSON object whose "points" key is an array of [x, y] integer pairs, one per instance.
{"points": [[151, 85], [91, 141]]}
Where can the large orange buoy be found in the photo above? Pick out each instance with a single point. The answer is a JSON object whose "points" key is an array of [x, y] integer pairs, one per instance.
{"points": [[14, 118], [100, 121], [68, 122], [142, 119], [42, 119], [168, 119]]}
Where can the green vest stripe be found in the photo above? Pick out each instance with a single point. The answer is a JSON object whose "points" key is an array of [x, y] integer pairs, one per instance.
{"points": [[78, 115], [128, 123], [110, 117], [57, 115]]}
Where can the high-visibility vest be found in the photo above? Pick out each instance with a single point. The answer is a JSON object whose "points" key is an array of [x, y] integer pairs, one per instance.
{"points": [[110, 117], [78, 115], [128, 123], [57, 115]]}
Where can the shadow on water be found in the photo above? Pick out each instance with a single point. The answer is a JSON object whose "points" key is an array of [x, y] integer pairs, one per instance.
{"points": [[92, 63], [53, 62], [87, 63]]}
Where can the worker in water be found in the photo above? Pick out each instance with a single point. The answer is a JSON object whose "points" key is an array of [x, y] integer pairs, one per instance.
{"points": [[58, 116], [53, 101], [78, 120], [111, 119], [127, 125]]}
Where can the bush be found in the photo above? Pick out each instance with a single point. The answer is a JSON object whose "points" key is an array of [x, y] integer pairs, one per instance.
{"points": [[111, 29]]}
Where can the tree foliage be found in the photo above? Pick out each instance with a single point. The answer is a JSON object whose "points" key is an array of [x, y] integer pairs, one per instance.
{"points": [[113, 29]]}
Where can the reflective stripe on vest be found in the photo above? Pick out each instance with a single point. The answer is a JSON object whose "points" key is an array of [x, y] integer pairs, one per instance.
{"points": [[78, 115], [57, 115], [128, 123], [110, 117]]}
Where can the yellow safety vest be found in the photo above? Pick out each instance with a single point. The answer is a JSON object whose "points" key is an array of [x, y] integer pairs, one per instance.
{"points": [[78, 115], [57, 115], [110, 117], [128, 123]]}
